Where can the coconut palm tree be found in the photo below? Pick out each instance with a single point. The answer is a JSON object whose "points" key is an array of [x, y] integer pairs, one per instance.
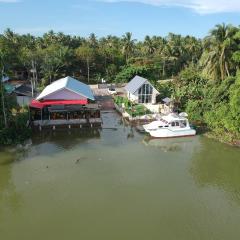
{"points": [[86, 53], [128, 45], [149, 46], [220, 45]]}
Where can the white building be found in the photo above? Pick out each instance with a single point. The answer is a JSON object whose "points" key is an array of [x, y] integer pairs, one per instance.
{"points": [[140, 90]]}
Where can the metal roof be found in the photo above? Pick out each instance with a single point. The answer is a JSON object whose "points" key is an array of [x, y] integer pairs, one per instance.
{"points": [[167, 100], [24, 90], [136, 83], [70, 84]]}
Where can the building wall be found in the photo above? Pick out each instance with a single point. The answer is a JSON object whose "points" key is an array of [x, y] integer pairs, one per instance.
{"points": [[154, 95], [23, 100], [134, 97], [64, 94]]}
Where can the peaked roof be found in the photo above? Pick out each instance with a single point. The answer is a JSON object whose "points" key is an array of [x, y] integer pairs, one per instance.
{"points": [[70, 84], [25, 90], [136, 83]]}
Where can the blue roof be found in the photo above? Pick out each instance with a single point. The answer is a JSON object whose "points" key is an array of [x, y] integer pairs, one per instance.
{"points": [[135, 84], [79, 87]]}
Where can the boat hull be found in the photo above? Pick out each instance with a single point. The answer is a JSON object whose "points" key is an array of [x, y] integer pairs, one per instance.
{"points": [[167, 133]]}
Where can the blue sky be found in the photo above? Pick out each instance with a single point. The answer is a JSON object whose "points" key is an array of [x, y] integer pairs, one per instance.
{"points": [[115, 17]]}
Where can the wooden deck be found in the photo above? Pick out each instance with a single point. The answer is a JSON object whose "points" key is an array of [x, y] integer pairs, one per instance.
{"points": [[63, 123]]}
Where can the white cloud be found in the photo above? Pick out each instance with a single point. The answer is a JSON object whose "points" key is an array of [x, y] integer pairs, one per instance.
{"points": [[9, 1], [199, 6]]}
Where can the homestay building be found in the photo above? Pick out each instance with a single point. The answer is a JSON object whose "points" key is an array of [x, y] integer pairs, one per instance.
{"points": [[66, 102], [140, 90], [24, 94]]}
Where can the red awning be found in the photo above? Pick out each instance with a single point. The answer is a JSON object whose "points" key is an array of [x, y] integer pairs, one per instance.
{"points": [[42, 104]]}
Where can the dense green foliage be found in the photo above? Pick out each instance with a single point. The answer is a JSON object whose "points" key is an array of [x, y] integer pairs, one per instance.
{"points": [[204, 72], [214, 104], [16, 129]]}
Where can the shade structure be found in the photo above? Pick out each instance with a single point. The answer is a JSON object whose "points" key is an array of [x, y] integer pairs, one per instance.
{"points": [[42, 104]]}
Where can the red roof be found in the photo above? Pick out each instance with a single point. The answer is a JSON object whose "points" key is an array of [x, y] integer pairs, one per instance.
{"points": [[42, 104]]}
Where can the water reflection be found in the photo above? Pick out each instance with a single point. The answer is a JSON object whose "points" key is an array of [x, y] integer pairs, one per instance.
{"points": [[65, 139], [216, 164], [172, 144]]}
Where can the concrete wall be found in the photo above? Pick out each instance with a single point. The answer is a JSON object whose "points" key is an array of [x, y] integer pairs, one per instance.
{"points": [[132, 97], [23, 100], [154, 95], [155, 108]]}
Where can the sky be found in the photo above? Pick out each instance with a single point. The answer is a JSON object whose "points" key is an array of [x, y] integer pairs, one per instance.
{"points": [[116, 17]]}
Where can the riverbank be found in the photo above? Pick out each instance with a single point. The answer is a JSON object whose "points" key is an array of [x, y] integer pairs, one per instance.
{"points": [[227, 139], [220, 137]]}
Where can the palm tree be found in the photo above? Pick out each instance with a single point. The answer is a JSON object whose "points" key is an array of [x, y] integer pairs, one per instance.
{"points": [[219, 45], [128, 45], [193, 48], [149, 45], [86, 53]]}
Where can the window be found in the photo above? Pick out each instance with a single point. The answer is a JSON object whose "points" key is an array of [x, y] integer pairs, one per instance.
{"points": [[183, 124], [145, 93]]}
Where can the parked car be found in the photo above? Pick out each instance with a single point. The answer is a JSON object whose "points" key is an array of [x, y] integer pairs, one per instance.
{"points": [[112, 90]]}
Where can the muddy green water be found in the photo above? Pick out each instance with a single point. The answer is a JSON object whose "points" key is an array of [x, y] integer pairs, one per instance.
{"points": [[116, 185]]}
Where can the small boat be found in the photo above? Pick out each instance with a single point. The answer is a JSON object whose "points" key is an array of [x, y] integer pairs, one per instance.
{"points": [[172, 125]]}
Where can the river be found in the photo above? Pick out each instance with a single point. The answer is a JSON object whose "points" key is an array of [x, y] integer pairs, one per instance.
{"points": [[115, 184]]}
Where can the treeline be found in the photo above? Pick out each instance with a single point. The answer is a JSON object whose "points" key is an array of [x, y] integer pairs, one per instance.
{"points": [[47, 58], [204, 71], [210, 90]]}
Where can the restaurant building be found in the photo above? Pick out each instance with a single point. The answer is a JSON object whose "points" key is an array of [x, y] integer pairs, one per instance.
{"points": [[66, 102]]}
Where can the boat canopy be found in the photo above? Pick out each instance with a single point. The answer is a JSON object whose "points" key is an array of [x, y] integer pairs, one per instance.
{"points": [[173, 117]]}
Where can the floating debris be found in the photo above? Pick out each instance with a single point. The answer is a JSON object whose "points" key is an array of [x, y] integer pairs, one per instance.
{"points": [[79, 159]]}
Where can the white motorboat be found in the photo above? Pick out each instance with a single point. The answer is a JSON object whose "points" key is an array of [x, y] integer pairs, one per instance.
{"points": [[172, 125]]}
